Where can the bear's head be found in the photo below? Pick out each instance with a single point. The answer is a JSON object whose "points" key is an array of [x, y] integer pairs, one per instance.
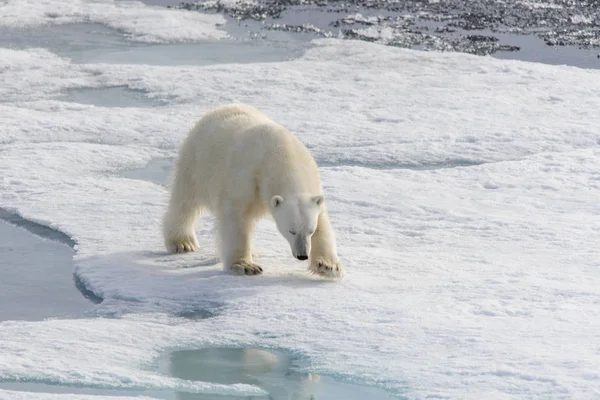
{"points": [[296, 219]]}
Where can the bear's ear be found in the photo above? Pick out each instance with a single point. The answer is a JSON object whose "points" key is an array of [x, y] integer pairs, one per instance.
{"points": [[318, 200], [276, 201]]}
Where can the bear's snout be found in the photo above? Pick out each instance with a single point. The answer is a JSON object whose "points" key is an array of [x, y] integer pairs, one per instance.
{"points": [[302, 258]]}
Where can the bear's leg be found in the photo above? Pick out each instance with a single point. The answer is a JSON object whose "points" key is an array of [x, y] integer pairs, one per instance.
{"points": [[178, 226], [323, 259], [235, 230]]}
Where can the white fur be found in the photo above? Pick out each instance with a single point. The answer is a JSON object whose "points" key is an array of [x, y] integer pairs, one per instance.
{"points": [[240, 165]]}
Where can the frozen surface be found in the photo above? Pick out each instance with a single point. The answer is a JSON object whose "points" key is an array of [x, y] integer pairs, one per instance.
{"points": [[94, 42], [464, 192], [100, 353], [138, 21], [157, 170], [37, 277], [561, 32], [16, 395], [113, 96], [271, 370], [268, 369]]}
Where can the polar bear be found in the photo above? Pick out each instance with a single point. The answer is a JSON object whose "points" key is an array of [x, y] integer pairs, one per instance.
{"points": [[240, 165]]}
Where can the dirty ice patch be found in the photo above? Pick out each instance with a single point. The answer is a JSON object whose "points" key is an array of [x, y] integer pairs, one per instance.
{"points": [[100, 353], [138, 21]]}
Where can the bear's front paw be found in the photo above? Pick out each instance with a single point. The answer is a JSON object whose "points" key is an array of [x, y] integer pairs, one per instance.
{"points": [[326, 268], [182, 246], [246, 268]]}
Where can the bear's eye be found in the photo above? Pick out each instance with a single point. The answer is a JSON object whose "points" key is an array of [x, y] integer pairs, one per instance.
{"points": [[293, 233]]}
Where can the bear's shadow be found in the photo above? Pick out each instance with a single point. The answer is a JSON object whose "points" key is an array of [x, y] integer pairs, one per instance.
{"points": [[187, 276], [289, 276]]}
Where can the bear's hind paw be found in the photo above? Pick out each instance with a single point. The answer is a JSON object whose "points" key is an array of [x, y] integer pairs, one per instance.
{"points": [[246, 268], [326, 269]]}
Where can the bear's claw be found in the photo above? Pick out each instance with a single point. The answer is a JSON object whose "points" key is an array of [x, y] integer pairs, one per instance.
{"points": [[183, 247], [326, 269], [246, 268]]}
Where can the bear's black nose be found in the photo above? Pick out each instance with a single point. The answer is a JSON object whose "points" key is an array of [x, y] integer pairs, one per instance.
{"points": [[302, 258]]}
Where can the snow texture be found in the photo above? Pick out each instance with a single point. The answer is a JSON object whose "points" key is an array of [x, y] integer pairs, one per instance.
{"points": [[98, 353], [464, 191], [138, 21], [14, 395]]}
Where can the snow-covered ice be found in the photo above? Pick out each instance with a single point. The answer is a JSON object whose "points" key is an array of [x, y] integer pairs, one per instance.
{"points": [[138, 21], [93, 42], [465, 193], [15, 395]]}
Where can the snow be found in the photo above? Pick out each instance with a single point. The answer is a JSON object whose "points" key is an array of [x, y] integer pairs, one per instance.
{"points": [[581, 19], [533, 4], [464, 192], [383, 35], [229, 4], [100, 353], [14, 395], [140, 22]]}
